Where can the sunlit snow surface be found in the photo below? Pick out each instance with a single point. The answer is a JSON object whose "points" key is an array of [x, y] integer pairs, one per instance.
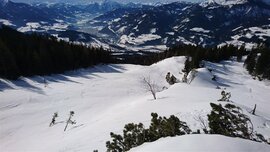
{"points": [[201, 143], [106, 97], [6, 22]]}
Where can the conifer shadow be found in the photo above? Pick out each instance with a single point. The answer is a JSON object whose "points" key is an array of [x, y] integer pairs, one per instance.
{"points": [[38, 83], [4, 85], [21, 83]]}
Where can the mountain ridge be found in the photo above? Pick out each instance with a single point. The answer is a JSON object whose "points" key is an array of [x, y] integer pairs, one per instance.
{"points": [[192, 24], [138, 27]]}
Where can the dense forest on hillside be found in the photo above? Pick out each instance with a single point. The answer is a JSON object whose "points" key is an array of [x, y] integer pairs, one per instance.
{"points": [[195, 55], [33, 54], [258, 62]]}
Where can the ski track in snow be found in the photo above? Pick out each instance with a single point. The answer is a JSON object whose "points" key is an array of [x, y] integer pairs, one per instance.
{"points": [[107, 97]]}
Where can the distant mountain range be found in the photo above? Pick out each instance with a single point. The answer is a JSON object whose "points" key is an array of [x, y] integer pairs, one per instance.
{"points": [[209, 23], [142, 27]]}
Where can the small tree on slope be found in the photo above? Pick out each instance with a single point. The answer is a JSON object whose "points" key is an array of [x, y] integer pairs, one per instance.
{"points": [[69, 121], [225, 96], [150, 85], [55, 115]]}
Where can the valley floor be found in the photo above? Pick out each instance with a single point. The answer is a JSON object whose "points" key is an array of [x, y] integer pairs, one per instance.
{"points": [[106, 97]]}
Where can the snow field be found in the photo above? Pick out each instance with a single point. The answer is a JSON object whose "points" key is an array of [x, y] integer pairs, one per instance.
{"points": [[106, 97], [202, 143]]}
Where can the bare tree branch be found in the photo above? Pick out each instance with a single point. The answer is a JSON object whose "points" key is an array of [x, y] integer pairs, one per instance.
{"points": [[203, 122], [150, 85]]}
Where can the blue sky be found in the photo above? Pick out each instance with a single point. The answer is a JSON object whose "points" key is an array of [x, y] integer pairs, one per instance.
{"points": [[85, 1]]}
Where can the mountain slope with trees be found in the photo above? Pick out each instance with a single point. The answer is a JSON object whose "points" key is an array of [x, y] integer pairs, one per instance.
{"points": [[33, 54], [106, 97]]}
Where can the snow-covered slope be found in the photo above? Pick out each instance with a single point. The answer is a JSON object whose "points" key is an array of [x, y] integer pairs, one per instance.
{"points": [[106, 97], [199, 143], [203, 79]]}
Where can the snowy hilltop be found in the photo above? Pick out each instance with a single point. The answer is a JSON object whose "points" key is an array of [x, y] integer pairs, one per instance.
{"points": [[198, 143], [106, 97]]}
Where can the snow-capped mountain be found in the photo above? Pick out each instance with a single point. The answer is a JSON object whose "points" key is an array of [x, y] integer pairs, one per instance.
{"points": [[138, 27], [218, 22], [66, 21], [20, 14]]}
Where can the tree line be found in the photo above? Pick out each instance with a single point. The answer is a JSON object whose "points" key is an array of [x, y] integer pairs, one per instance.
{"points": [[195, 55], [258, 62], [34, 54]]}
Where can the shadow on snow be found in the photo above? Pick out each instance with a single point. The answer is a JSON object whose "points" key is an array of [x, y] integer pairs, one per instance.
{"points": [[38, 83]]}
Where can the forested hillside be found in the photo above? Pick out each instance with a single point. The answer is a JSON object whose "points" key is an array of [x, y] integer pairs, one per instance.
{"points": [[195, 53], [258, 62], [33, 54]]}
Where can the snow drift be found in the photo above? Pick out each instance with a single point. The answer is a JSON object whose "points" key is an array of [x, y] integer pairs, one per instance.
{"points": [[199, 143]]}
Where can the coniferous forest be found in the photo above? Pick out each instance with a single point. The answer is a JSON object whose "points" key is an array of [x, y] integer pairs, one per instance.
{"points": [[195, 53], [258, 62], [33, 54]]}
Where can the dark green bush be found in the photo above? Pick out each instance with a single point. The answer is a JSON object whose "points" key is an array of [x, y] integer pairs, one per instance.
{"points": [[135, 134], [229, 121]]}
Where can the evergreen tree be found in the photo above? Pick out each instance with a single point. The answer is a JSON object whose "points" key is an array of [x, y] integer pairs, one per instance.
{"points": [[251, 62], [229, 121], [135, 134], [258, 62], [33, 54], [8, 66]]}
